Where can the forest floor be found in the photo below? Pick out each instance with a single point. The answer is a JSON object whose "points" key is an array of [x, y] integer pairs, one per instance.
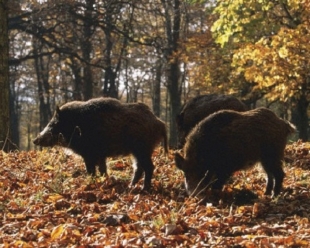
{"points": [[47, 200]]}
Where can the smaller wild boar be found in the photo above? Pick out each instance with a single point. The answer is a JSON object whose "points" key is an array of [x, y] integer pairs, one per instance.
{"points": [[105, 127], [200, 107], [228, 141]]}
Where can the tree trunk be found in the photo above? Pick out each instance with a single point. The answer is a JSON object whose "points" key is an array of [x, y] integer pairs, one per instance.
{"points": [[14, 114], [76, 70], [300, 117], [41, 67], [156, 88], [175, 100], [113, 9], [4, 79], [109, 88], [173, 24], [87, 77]]}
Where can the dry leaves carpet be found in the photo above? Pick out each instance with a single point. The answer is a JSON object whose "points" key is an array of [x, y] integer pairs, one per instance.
{"points": [[47, 200]]}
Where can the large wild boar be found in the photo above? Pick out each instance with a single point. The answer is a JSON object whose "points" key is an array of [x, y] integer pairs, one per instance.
{"points": [[105, 127], [200, 107], [228, 141]]}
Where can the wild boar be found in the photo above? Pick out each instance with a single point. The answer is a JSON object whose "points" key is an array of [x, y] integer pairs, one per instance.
{"points": [[105, 127], [200, 107], [228, 141]]}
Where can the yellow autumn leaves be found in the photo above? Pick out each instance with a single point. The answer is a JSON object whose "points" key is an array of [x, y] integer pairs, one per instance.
{"points": [[278, 64], [273, 46]]}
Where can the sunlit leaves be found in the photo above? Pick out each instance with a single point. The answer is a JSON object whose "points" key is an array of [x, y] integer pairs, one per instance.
{"points": [[66, 233], [248, 20], [273, 52], [238, 20], [278, 64]]}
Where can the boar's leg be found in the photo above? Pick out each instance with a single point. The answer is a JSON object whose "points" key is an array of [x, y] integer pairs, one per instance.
{"points": [[278, 177], [275, 176], [143, 164], [219, 180], [90, 164], [270, 183], [102, 166], [138, 171]]}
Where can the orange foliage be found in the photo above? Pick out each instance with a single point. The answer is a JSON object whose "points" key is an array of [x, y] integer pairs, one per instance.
{"points": [[48, 200]]}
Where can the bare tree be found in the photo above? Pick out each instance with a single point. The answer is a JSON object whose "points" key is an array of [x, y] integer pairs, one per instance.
{"points": [[42, 71], [4, 77], [173, 16]]}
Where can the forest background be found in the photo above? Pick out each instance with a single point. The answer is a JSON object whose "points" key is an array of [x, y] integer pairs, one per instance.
{"points": [[160, 52]]}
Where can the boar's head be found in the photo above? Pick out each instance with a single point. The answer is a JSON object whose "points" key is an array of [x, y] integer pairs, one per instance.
{"points": [[196, 179], [55, 133]]}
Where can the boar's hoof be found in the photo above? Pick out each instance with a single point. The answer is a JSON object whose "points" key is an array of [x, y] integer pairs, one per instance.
{"points": [[146, 188]]}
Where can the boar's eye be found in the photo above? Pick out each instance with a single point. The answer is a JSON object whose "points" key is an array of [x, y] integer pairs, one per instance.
{"points": [[54, 126]]}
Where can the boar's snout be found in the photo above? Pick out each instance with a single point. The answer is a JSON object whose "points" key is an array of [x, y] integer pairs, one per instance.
{"points": [[45, 139], [36, 141], [48, 139]]}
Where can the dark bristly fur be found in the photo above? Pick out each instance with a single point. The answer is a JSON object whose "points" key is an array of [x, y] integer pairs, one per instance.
{"points": [[228, 141], [105, 127], [200, 107]]}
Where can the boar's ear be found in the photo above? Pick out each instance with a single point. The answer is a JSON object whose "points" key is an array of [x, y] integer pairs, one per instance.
{"points": [[57, 110], [179, 161]]}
